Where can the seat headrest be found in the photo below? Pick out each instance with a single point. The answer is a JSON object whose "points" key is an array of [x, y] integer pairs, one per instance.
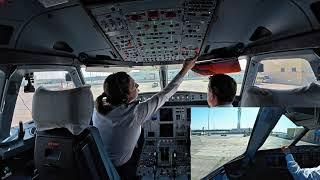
{"points": [[308, 96], [71, 109]]}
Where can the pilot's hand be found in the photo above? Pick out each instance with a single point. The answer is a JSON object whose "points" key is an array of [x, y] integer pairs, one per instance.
{"points": [[190, 62], [285, 150]]}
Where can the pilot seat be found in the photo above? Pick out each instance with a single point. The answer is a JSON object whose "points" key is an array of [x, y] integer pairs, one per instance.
{"points": [[66, 146]]}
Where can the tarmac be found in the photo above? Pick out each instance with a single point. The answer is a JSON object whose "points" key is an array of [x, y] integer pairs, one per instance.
{"points": [[211, 152]]}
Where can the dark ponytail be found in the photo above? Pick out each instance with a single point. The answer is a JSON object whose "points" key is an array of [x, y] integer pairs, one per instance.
{"points": [[116, 92], [101, 104]]}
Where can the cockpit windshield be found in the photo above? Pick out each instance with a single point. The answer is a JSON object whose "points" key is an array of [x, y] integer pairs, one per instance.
{"points": [[148, 78]]}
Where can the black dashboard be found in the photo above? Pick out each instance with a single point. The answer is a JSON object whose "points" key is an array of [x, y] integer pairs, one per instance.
{"points": [[16, 155], [9, 150], [305, 156], [271, 164]]}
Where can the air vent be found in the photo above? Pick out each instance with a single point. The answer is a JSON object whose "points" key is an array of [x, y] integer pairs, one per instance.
{"points": [[113, 54], [317, 51], [259, 33], [315, 7], [62, 46], [6, 33], [103, 57], [91, 2], [207, 49], [50, 3]]}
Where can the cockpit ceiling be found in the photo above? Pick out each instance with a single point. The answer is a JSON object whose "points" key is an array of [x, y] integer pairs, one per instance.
{"points": [[156, 34]]}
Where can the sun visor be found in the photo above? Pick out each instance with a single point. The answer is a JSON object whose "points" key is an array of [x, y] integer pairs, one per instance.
{"points": [[212, 68], [307, 117]]}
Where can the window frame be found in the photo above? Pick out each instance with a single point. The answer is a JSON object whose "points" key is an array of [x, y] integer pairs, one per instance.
{"points": [[5, 125], [254, 61], [299, 138], [294, 141], [285, 70]]}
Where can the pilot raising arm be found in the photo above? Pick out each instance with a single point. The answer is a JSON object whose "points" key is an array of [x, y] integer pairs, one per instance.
{"points": [[119, 117], [297, 172], [146, 109]]}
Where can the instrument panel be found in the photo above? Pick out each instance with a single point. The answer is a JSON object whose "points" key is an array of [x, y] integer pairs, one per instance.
{"points": [[16, 153], [151, 32], [166, 150], [17, 146], [306, 156], [271, 164]]}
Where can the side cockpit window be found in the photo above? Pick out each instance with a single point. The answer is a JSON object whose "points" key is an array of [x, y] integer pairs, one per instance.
{"points": [[284, 74], [312, 137], [53, 80], [283, 134]]}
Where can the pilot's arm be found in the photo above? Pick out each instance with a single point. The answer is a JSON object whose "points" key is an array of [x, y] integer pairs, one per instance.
{"points": [[300, 173], [146, 109]]}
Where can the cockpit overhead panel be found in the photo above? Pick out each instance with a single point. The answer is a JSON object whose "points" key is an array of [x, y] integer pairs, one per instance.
{"points": [[152, 33]]}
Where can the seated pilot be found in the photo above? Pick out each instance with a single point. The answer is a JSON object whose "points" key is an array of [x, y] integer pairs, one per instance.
{"points": [[221, 90], [295, 170]]}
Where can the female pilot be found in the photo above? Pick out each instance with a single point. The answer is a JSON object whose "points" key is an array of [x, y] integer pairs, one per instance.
{"points": [[119, 116]]}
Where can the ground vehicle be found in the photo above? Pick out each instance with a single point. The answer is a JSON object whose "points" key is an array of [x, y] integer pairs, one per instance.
{"points": [[155, 84], [263, 79], [47, 37], [266, 79]]}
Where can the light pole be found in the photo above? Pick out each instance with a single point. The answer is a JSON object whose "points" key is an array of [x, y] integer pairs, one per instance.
{"points": [[209, 121]]}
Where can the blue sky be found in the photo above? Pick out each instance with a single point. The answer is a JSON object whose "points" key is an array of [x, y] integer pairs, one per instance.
{"points": [[227, 118]]}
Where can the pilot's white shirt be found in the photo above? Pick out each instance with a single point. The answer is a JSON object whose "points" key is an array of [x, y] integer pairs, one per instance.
{"points": [[120, 128], [301, 173], [225, 105]]}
